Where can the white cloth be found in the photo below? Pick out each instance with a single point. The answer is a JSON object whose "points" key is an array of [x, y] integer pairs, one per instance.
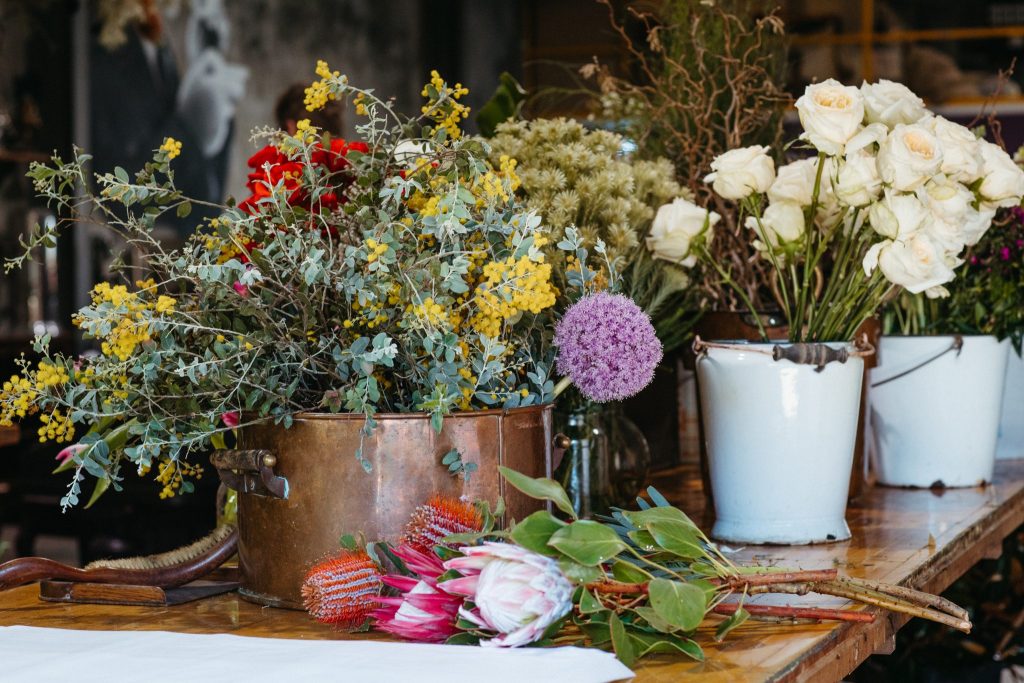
{"points": [[45, 655]]}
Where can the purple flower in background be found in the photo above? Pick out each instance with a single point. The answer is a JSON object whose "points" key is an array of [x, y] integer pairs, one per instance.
{"points": [[607, 347], [1004, 253]]}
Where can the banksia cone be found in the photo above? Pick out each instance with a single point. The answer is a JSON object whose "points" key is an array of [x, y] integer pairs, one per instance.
{"points": [[342, 590], [440, 517]]}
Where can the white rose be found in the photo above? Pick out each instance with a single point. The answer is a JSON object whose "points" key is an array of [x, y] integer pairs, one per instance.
{"points": [[781, 222], [961, 151], [898, 215], [947, 199], [830, 114], [916, 264], [857, 183], [909, 157], [795, 182], [742, 172], [875, 134], [1002, 180], [891, 103], [674, 227], [975, 224]]}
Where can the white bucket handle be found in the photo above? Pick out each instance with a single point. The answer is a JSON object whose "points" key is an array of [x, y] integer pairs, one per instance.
{"points": [[915, 364]]}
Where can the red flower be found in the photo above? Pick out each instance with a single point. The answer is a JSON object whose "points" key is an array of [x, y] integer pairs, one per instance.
{"points": [[342, 590]]}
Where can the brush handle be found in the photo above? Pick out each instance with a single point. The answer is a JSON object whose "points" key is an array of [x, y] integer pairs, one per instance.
{"points": [[28, 569]]}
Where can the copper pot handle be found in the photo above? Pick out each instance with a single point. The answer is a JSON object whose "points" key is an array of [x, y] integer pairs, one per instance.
{"points": [[250, 471], [559, 445]]}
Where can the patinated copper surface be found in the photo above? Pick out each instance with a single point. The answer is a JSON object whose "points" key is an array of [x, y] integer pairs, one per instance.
{"points": [[329, 493]]}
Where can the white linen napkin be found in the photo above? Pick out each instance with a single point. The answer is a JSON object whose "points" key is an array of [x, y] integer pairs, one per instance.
{"points": [[45, 655]]}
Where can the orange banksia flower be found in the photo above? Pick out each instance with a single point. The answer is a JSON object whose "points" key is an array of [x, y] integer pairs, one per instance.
{"points": [[442, 516], [343, 589]]}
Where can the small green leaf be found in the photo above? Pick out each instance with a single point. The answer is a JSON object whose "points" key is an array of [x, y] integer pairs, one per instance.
{"points": [[101, 487], [463, 639], [641, 518], [589, 603], [677, 538], [651, 617], [348, 542], [734, 620], [680, 604], [588, 542], [534, 532], [578, 573], [184, 209], [541, 488], [621, 641], [643, 539], [629, 572]]}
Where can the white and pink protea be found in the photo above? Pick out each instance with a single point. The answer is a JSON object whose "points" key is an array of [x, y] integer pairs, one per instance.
{"points": [[516, 593]]}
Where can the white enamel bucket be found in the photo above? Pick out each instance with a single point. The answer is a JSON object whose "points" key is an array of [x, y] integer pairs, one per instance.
{"points": [[780, 440], [1011, 424], [934, 409]]}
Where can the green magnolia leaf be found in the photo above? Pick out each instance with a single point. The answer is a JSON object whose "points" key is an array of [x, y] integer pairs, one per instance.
{"points": [[589, 543], [578, 573], [734, 620], [680, 604], [589, 603], [629, 572], [677, 538], [541, 488], [534, 532], [620, 640]]}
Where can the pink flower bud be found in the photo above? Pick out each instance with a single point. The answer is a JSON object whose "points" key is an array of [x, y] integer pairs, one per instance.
{"points": [[70, 452], [242, 290], [422, 612], [517, 593], [230, 418]]}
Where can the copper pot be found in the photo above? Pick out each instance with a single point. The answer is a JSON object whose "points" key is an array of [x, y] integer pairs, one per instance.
{"points": [[302, 488]]}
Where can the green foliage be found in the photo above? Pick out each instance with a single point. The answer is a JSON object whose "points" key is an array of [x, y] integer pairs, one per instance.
{"points": [[506, 103]]}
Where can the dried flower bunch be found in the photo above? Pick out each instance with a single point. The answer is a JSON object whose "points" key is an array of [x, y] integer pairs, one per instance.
{"points": [[578, 177], [393, 274], [641, 581]]}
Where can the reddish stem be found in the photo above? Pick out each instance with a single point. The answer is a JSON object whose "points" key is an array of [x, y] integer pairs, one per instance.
{"points": [[618, 587], [796, 612]]}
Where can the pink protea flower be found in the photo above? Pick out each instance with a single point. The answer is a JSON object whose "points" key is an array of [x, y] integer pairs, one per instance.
{"points": [[517, 593], [70, 452], [422, 612], [607, 346]]}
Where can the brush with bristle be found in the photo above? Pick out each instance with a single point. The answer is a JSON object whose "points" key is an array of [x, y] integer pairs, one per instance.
{"points": [[167, 570]]}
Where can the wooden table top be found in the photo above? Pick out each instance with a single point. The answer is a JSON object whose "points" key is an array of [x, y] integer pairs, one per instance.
{"points": [[919, 538]]}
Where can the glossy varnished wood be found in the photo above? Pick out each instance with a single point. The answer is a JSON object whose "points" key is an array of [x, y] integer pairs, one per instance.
{"points": [[922, 539]]}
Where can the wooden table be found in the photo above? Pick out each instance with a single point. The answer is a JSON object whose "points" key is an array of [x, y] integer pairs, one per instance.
{"points": [[922, 539]]}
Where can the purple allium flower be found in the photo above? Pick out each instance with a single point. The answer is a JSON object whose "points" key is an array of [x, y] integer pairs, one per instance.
{"points": [[607, 347]]}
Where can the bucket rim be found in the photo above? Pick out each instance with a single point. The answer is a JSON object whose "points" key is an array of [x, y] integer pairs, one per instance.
{"points": [[539, 408]]}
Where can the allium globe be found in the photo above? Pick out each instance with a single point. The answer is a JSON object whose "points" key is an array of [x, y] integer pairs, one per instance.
{"points": [[607, 346]]}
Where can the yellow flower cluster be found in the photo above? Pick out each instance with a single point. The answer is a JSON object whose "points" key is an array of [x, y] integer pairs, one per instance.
{"points": [[130, 330], [172, 473], [360, 104], [17, 399], [172, 147], [50, 375], [430, 311], [374, 250], [305, 131], [319, 92], [508, 288], [57, 427], [498, 184], [444, 108]]}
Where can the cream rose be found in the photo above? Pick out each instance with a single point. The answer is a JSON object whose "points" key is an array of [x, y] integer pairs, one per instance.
{"points": [[674, 228], [909, 157], [739, 173], [891, 103], [830, 113], [781, 222], [1002, 180], [897, 215], [916, 264], [961, 151], [857, 183], [875, 134], [795, 182], [975, 224]]}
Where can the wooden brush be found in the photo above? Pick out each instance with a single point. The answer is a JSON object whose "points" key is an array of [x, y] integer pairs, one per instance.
{"points": [[174, 568]]}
